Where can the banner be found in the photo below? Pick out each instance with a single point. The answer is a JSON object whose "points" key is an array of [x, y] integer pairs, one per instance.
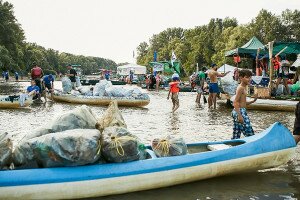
{"points": [[158, 67], [173, 58]]}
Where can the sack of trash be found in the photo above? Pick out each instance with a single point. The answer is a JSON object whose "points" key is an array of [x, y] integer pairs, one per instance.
{"points": [[66, 84], [119, 145], [99, 89], [115, 92], [169, 146], [78, 83], [86, 90], [136, 92], [111, 117], [228, 84], [80, 118], [68, 148], [23, 156], [5, 150]]}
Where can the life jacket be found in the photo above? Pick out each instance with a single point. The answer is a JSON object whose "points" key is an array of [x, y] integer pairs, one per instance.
{"points": [[36, 72], [276, 63]]}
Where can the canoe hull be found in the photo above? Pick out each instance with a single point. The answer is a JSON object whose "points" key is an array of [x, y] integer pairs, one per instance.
{"points": [[125, 184], [13, 105], [98, 101], [94, 82], [268, 104], [270, 107], [273, 147]]}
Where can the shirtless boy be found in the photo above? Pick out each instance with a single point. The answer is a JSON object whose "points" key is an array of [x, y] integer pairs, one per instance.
{"points": [[213, 85], [241, 121]]}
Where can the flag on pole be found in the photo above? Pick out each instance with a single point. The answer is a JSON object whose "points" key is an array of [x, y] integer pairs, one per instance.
{"points": [[173, 58]]}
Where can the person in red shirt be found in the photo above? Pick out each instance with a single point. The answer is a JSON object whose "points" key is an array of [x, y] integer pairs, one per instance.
{"points": [[36, 75], [174, 89]]}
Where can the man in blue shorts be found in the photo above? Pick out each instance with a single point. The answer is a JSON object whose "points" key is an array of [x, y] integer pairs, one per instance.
{"points": [[213, 85]]}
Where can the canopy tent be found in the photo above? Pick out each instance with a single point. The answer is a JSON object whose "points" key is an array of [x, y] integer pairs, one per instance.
{"points": [[291, 47], [137, 69], [226, 68], [297, 62], [166, 66], [250, 49], [247, 49]]}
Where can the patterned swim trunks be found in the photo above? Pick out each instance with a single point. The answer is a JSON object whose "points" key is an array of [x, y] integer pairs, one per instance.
{"points": [[238, 127]]}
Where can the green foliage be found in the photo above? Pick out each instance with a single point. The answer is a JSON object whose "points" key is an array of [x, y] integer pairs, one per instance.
{"points": [[207, 44], [49, 71], [201, 45]]}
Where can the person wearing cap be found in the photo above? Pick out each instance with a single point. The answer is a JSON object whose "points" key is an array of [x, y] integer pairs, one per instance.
{"points": [[48, 84], [213, 75], [174, 90], [72, 76]]}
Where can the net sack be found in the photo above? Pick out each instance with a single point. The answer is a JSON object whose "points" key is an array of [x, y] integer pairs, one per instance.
{"points": [[169, 146], [111, 117], [5, 150], [119, 145]]}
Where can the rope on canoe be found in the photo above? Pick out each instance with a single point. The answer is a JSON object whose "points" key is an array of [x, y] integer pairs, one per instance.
{"points": [[117, 143], [164, 146]]}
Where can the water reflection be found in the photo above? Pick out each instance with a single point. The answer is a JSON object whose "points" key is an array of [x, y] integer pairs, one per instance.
{"points": [[270, 186]]}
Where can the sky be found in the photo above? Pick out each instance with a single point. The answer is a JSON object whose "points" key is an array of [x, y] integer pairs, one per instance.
{"points": [[113, 29]]}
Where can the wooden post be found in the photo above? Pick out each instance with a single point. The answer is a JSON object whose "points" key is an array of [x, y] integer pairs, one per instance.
{"points": [[256, 62], [270, 44]]}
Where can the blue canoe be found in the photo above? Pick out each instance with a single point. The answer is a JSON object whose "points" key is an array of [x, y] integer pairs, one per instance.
{"points": [[273, 147]]}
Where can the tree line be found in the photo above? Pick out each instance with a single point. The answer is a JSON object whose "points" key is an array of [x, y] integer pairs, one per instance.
{"points": [[208, 43], [18, 55]]}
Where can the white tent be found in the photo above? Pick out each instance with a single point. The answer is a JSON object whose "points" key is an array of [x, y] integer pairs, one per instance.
{"points": [[226, 68], [125, 69], [297, 62]]}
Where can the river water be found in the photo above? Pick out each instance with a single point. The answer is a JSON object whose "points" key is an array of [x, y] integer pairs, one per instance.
{"points": [[190, 122]]}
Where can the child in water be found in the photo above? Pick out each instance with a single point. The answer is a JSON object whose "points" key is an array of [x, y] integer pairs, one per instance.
{"points": [[241, 121], [174, 89]]}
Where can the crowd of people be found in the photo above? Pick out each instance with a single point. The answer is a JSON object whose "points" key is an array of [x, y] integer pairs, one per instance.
{"points": [[41, 84], [202, 81], [6, 76], [241, 121]]}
